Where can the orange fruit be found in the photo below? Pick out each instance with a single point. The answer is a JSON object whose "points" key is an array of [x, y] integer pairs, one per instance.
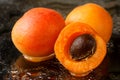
{"points": [[95, 16], [79, 48], [35, 33]]}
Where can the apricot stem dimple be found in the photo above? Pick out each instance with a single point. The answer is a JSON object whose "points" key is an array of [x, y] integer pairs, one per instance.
{"points": [[82, 47]]}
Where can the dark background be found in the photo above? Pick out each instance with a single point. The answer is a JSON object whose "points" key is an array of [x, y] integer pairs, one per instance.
{"points": [[12, 10]]}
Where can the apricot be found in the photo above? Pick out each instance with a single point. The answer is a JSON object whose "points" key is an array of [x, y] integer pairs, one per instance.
{"points": [[79, 48], [94, 15], [35, 33]]}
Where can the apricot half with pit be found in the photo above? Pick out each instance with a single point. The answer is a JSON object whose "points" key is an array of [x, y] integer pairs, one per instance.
{"points": [[94, 15], [35, 33], [79, 48]]}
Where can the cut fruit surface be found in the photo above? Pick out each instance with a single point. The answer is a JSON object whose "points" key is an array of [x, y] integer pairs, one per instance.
{"points": [[63, 44]]}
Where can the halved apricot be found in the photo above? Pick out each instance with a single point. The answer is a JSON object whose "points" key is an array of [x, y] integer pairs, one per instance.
{"points": [[79, 48], [35, 33], [95, 16]]}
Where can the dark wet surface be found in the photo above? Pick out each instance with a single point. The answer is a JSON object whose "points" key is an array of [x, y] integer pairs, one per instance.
{"points": [[10, 57]]}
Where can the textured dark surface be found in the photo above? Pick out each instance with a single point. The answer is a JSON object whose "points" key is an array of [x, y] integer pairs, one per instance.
{"points": [[11, 10]]}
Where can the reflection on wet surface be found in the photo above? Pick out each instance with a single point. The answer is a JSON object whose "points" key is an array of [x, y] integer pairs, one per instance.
{"points": [[49, 70]]}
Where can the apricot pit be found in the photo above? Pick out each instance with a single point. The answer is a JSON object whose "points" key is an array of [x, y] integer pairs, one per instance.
{"points": [[83, 46]]}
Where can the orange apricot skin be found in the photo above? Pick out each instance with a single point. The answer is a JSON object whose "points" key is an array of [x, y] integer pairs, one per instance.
{"points": [[35, 33], [94, 15], [62, 46]]}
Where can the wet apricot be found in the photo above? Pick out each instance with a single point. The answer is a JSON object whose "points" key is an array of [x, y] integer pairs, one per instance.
{"points": [[88, 51], [35, 33], [94, 15]]}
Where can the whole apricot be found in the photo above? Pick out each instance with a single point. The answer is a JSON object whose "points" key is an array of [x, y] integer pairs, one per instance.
{"points": [[94, 15], [35, 33]]}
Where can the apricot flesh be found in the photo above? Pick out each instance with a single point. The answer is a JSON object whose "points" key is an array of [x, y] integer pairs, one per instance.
{"points": [[95, 16], [65, 39], [35, 33]]}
